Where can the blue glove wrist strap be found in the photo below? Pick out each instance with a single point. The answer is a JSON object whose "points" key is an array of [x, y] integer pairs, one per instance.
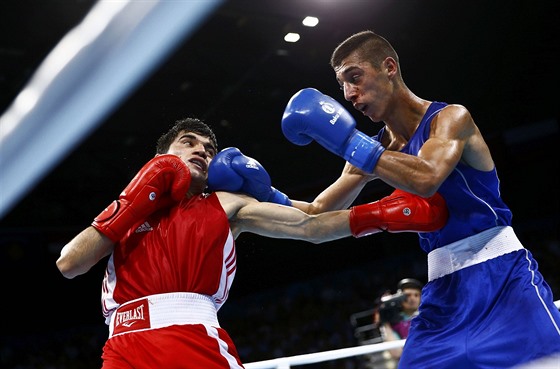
{"points": [[363, 151], [279, 197]]}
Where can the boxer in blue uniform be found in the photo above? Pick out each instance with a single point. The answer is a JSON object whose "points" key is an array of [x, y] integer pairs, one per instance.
{"points": [[486, 305]]}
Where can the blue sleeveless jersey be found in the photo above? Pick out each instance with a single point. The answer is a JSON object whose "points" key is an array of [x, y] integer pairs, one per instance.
{"points": [[472, 196]]}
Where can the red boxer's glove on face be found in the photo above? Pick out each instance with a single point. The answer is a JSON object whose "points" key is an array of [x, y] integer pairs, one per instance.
{"points": [[162, 181], [399, 212]]}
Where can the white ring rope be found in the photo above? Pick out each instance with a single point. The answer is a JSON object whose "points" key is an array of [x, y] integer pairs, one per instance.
{"points": [[318, 357]]}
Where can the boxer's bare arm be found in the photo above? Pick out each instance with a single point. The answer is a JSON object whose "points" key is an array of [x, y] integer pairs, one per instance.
{"points": [[83, 252], [278, 221], [340, 194]]}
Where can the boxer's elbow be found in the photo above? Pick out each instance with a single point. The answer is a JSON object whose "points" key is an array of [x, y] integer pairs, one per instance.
{"points": [[66, 268], [70, 267]]}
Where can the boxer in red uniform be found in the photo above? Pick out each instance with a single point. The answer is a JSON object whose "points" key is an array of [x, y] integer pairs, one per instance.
{"points": [[172, 251]]}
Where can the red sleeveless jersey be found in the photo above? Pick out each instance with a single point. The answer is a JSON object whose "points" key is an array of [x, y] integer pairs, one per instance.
{"points": [[186, 248]]}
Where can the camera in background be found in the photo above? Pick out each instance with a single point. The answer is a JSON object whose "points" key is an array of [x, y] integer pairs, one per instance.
{"points": [[391, 306]]}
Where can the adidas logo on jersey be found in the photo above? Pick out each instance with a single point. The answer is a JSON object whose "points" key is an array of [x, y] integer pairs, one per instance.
{"points": [[146, 227]]}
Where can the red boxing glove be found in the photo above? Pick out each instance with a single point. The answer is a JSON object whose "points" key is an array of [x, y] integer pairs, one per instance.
{"points": [[162, 181], [399, 212]]}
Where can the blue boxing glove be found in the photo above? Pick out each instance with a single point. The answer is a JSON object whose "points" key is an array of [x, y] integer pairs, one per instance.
{"points": [[311, 115], [232, 171]]}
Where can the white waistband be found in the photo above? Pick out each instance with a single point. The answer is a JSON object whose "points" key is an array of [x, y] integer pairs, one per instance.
{"points": [[472, 250], [163, 310]]}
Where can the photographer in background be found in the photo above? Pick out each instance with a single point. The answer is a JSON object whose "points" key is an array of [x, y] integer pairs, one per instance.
{"points": [[396, 311]]}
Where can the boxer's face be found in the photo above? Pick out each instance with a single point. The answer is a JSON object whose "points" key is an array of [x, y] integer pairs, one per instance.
{"points": [[368, 88], [196, 151]]}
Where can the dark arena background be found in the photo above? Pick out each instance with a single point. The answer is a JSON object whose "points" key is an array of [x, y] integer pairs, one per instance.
{"points": [[234, 70]]}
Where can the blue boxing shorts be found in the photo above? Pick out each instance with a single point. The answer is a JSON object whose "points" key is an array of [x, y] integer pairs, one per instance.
{"points": [[486, 306]]}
